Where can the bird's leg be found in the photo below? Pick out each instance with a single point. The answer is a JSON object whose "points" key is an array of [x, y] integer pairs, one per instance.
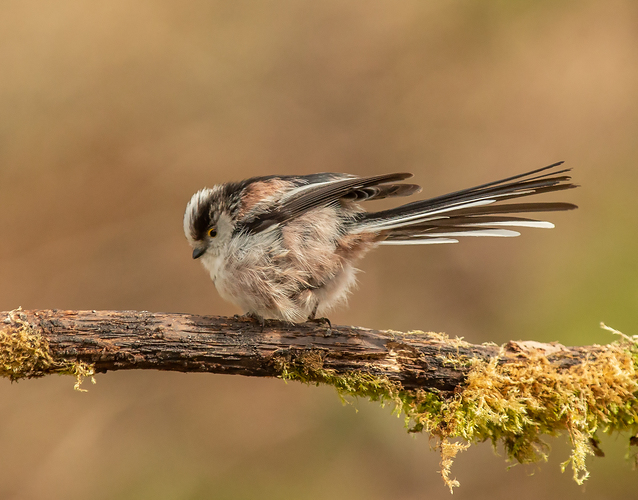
{"points": [[314, 312], [321, 321]]}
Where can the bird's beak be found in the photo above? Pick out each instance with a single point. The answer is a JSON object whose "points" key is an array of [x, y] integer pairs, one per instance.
{"points": [[198, 252]]}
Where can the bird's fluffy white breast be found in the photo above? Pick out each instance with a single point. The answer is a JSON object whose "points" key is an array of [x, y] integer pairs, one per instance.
{"points": [[213, 264]]}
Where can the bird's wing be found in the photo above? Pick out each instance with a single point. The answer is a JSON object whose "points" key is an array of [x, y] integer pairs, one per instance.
{"points": [[320, 190]]}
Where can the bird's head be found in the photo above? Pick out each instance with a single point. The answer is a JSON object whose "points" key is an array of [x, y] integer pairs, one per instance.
{"points": [[207, 222]]}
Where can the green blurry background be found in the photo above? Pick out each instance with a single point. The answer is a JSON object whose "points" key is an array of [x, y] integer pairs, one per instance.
{"points": [[113, 113]]}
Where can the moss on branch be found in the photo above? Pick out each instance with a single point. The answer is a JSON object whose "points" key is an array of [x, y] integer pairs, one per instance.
{"points": [[459, 393], [25, 353], [512, 403]]}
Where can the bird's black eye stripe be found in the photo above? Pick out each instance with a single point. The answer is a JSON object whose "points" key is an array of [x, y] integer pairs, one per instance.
{"points": [[212, 232]]}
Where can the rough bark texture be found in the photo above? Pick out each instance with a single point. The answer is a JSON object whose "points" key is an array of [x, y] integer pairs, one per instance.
{"points": [[125, 340]]}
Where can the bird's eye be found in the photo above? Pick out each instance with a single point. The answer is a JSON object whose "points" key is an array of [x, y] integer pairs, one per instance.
{"points": [[212, 232]]}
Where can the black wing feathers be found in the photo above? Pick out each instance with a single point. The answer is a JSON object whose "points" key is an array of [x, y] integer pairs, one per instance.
{"points": [[329, 191], [323, 195]]}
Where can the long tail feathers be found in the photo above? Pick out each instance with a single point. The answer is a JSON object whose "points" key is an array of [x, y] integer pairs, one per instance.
{"points": [[478, 211]]}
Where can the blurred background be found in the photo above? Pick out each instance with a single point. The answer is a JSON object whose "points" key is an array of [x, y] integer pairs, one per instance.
{"points": [[113, 113]]}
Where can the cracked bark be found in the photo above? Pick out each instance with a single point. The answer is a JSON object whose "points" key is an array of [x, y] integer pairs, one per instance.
{"points": [[126, 340]]}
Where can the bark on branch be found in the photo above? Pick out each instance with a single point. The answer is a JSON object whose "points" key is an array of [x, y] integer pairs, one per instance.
{"points": [[510, 394], [125, 340]]}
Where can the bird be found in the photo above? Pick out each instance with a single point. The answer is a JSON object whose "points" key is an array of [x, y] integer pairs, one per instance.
{"points": [[284, 247]]}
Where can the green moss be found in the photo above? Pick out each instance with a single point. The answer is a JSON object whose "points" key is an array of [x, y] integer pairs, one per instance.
{"points": [[25, 354], [511, 403]]}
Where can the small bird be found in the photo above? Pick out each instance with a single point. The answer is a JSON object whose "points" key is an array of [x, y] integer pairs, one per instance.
{"points": [[284, 247]]}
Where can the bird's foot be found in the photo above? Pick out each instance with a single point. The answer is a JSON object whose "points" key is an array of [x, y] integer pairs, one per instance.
{"points": [[257, 318], [325, 322]]}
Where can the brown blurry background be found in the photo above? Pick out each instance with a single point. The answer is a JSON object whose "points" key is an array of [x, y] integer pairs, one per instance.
{"points": [[113, 113]]}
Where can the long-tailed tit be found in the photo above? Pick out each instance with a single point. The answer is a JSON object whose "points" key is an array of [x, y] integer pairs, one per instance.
{"points": [[284, 247]]}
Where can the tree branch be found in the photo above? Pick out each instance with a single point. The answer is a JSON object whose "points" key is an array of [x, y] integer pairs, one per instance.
{"points": [[510, 394], [125, 340]]}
